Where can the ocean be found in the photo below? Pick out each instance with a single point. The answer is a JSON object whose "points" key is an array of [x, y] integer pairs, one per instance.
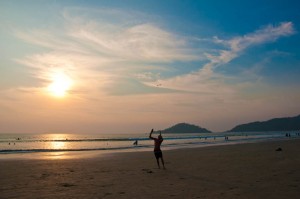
{"points": [[20, 144]]}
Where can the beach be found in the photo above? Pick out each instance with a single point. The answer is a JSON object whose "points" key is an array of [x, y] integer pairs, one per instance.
{"points": [[253, 170]]}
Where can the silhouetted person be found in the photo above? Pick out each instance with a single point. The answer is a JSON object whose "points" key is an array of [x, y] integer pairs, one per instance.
{"points": [[157, 151], [135, 143]]}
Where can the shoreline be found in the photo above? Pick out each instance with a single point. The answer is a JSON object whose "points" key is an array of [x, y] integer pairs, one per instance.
{"points": [[88, 153], [254, 170]]}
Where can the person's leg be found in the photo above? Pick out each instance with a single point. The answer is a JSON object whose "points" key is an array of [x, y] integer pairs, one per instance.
{"points": [[157, 160], [163, 163]]}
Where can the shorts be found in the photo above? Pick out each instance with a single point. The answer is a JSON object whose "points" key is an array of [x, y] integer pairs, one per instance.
{"points": [[158, 154]]}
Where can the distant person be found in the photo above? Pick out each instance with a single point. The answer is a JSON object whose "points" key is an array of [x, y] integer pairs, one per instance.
{"points": [[135, 142], [157, 151]]}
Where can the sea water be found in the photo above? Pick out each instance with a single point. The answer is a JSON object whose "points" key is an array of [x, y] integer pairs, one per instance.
{"points": [[42, 143]]}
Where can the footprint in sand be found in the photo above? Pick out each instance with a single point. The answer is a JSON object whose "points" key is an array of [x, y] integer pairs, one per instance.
{"points": [[71, 170], [44, 175], [107, 185], [67, 185], [147, 170], [107, 194]]}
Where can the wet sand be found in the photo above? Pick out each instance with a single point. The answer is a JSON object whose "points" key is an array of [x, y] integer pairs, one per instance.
{"points": [[254, 170]]}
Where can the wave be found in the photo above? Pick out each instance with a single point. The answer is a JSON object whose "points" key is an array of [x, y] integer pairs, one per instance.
{"points": [[13, 151]]}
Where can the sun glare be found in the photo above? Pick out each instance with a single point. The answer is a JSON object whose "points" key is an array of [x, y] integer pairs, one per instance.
{"points": [[60, 85]]}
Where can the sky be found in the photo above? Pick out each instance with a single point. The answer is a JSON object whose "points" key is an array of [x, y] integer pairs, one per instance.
{"points": [[127, 66]]}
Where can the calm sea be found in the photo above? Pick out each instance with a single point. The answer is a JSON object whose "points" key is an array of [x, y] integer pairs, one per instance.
{"points": [[48, 143]]}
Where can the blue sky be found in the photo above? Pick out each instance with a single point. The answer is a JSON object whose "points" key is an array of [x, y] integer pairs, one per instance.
{"points": [[146, 64]]}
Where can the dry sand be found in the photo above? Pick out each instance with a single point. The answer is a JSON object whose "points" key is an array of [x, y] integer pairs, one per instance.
{"points": [[235, 171]]}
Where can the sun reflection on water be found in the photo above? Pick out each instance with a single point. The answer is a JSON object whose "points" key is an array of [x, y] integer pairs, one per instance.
{"points": [[58, 145], [57, 142]]}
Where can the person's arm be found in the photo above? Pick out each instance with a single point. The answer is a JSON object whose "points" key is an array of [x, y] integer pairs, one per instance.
{"points": [[150, 136], [162, 139]]}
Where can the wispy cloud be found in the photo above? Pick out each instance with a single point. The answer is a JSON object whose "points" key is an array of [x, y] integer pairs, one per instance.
{"points": [[237, 45], [206, 79], [110, 43], [115, 45]]}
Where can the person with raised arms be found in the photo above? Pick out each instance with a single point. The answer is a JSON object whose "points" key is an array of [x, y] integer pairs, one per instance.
{"points": [[157, 151]]}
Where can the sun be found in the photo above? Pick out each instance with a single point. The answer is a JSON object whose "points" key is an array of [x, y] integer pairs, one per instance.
{"points": [[61, 84]]}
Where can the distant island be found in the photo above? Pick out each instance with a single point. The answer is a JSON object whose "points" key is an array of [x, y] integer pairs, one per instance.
{"points": [[276, 124], [185, 128]]}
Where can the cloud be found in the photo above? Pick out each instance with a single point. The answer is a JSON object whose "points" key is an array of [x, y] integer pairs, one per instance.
{"points": [[117, 50], [103, 45], [237, 45], [207, 80]]}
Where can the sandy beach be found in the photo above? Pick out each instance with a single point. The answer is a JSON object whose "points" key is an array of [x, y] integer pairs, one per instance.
{"points": [[254, 170]]}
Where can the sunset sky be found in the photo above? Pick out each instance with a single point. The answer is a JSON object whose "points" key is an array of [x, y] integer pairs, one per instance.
{"points": [[129, 66]]}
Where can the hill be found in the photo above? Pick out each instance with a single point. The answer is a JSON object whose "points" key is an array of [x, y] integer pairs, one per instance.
{"points": [[276, 124], [185, 128]]}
